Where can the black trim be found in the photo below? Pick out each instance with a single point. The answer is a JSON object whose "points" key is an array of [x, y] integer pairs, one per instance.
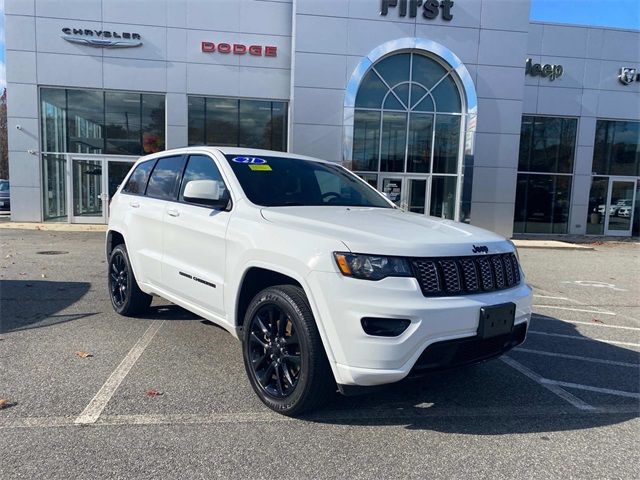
{"points": [[197, 279], [467, 351]]}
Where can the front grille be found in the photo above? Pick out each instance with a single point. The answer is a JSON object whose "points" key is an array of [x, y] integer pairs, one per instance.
{"points": [[466, 275]]}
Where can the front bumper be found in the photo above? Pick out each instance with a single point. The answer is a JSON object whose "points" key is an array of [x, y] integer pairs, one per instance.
{"points": [[432, 340]]}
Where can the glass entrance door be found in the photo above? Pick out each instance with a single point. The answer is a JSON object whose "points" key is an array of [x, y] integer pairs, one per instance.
{"points": [[392, 188], [88, 197], [619, 209], [93, 183]]}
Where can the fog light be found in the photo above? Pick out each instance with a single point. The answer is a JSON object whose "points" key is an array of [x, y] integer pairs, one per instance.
{"points": [[384, 327]]}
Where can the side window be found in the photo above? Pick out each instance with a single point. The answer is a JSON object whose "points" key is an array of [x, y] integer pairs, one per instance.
{"points": [[138, 180], [201, 167], [164, 178]]}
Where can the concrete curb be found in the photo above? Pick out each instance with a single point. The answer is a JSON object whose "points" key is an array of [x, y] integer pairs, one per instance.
{"points": [[54, 227], [551, 245]]}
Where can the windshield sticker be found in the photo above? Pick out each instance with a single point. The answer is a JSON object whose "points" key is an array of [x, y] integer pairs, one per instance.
{"points": [[260, 168], [250, 160]]}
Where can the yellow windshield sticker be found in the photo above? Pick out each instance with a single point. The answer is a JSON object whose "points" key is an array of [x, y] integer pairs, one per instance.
{"points": [[260, 168]]}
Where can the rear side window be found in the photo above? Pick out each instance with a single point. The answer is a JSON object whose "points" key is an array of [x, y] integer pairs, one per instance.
{"points": [[138, 180], [164, 178], [200, 167]]}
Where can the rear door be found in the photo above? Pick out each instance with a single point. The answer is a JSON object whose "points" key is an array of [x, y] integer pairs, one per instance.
{"points": [[144, 215], [193, 264]]}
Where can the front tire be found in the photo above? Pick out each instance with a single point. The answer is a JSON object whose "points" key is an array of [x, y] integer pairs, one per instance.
{"points": [[126, 297], [283, 353]]}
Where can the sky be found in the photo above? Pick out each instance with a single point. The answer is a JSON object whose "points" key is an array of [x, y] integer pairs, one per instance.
{"points": [[605, 13]]}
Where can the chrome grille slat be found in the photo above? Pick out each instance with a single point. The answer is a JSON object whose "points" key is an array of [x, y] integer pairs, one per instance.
{"points": [[466, 275]]}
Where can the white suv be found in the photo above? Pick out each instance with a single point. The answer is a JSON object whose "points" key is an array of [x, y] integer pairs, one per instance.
{"points": [[324, 280]]}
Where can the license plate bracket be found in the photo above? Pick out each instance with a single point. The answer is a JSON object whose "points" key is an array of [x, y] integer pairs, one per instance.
{"points": [[496, 320]]}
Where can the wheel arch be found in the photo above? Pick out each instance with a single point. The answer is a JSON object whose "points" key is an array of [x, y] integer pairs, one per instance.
{"points": [[250, 285], [114, 238]]}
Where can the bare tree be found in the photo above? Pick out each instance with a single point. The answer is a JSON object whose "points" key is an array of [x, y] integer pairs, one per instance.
{"points": [[4, 148]]}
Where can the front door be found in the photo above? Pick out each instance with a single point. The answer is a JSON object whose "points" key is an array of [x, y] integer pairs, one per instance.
{"points": [[88, 192], [619, 209]]}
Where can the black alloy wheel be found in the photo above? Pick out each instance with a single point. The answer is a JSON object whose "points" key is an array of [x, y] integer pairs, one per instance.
{"points": [[126, 297], [118, 279], [283, 352], [274, 351]]}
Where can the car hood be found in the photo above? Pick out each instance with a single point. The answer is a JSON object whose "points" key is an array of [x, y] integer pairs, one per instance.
{"points": [[387, 231]]}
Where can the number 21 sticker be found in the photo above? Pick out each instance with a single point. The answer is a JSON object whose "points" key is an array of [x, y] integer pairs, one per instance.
{"points": [[250, 160]]}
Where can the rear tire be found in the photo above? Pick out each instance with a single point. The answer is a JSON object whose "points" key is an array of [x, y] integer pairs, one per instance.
{"points": [[283, 353], [126, 297]]}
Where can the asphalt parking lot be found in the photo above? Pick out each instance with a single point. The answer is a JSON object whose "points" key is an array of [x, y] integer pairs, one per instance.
{"points": [[166, 395]]}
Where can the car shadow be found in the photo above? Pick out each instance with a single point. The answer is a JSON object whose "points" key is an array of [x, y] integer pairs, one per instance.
{"points": [[28, 304], [167, 311], [492, 398]]}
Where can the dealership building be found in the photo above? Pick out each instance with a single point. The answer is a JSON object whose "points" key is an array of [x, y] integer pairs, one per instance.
{"points": [[459, 109]]}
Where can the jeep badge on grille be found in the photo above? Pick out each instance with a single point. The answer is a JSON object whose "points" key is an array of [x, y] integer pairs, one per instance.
{"points": [[480, 249]]}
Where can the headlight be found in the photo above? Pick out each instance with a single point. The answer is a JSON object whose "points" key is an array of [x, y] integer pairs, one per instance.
{"points": [[372, 267]]}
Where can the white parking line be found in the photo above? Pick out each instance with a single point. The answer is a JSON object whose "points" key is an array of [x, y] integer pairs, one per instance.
{"points": [[591, 324], [577, 386], [601, 312], [555, 389], [578, 357], [577, 302], [575, 337], [92, 411], [553, 298]]}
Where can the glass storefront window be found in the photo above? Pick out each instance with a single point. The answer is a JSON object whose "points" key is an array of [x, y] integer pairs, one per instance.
{"points": [[195, 107], [54, 120], [408, 121], [617, 148], [394, 137], [97, 121], [122, 122], [597, 205], [542, 203], [443, 197], [234, 122], [366, 141], [420, 138], [54, 187], [255, 124], [221, 122], [85, 121], [153, 123], [445, 153], [547, 144]]}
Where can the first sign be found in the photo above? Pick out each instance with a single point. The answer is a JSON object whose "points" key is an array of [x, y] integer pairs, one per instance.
{"points": [[240, 49]]}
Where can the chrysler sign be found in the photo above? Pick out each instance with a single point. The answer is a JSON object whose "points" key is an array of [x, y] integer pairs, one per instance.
{"points": [[101, 38]]}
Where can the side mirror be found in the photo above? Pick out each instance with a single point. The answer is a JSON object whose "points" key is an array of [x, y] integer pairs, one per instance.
{"points": [[206, 192]]}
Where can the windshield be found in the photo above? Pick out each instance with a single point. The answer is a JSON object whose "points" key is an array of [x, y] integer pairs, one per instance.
{"points": [[4, 185], [279, 182]]}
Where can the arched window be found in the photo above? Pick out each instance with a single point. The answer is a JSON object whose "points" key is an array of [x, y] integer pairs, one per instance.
{"points": [[407, 131]]}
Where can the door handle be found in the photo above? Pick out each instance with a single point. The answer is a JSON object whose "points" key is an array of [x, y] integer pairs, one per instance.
{"points": [[173, 212], [134, 204]]}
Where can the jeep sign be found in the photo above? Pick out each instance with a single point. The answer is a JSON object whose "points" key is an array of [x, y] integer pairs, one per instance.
{"points": [[546, 70]]}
